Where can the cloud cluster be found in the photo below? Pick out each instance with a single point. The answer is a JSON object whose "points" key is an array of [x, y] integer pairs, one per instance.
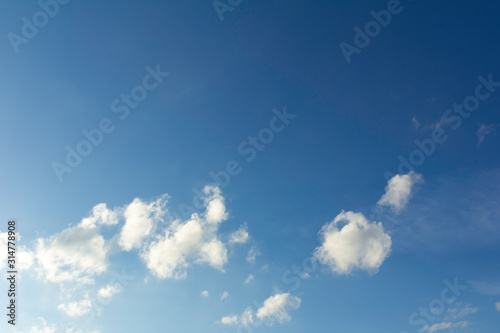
{"points": [[358, 244], [192, 241], [274, 310]]}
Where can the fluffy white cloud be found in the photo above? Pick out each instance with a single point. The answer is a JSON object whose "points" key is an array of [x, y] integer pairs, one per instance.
{"points": [[224, 295], [240, 236], [398, 191], [109, 291], [204, 293], [101, 215], [359, 244], [76, 309], [76, 254], [497, 306], [191, 241], [229, 320], [140, 220], [274, 310]]}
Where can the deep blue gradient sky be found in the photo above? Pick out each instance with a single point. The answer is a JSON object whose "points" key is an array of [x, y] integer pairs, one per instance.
{"points": [[353, 121]]}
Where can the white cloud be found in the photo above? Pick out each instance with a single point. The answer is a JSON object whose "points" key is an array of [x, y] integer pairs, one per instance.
{"points": [[444, 326], [77, 253], [483, 131], [3, 245], [110, 290], [44, 328], [497, 306], [191, 241], [252, 255], [274, 310], [25, 258], [230, 320], [249, 279], [398, 191], [357, 245], [452, 318], [76, 309], [224, 295], [140, 220], [204, 293], [101, 215], [240, 236]]}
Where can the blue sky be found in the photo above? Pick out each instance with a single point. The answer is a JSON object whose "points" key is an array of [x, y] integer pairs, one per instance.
{"points": [[311, 227]]}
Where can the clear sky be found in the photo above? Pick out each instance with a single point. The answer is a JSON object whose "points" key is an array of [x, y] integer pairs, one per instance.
{"points": [[251, 166]]}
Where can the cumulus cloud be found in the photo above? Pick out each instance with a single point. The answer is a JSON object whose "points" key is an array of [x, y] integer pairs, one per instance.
{"points": [[240, 236], [76, 309], [109, 291], [193, 241], [76, 254], [274, 310], [497, 306], [398, 191], [230, 320], [140, 220], [204, 293], [101, 215], [224, 295], [359, 244]]}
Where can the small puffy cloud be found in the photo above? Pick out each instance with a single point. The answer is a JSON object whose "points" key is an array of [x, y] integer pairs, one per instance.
{"points": [[204, 293], [249, 279], [76, 309], [101, 215], [483, 131], [398, 191], [240, 236], [497, 306], [193, 241], [230, 320], [274, 310], [140, 219], [76, 254], [109, 291], [224, 295], [252, 255], [359, 244]]}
